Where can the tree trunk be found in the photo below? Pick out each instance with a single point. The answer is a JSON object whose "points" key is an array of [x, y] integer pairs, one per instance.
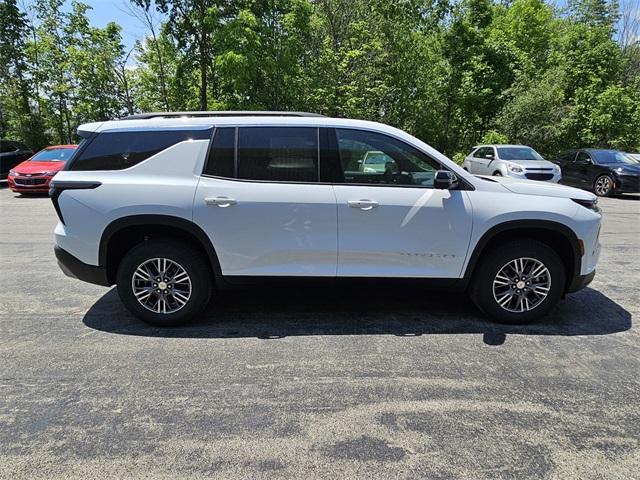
{"points": [[203, 73]]}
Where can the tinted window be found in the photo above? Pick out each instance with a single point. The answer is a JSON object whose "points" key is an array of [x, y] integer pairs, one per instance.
{"points": [[278, 153], [221, 162], [373, 158], [119, 150], [53, 155], [566, 156], [518, 153], [583, 158], [612, 156], [6, 147]]}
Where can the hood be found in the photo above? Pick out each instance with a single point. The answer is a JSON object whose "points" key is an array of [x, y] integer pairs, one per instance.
{"points": [[545, 189], [38, 167], [626, 168], [531, 163]]}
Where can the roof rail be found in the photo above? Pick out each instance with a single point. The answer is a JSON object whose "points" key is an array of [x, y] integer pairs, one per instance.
{"points": [[227, 113]]}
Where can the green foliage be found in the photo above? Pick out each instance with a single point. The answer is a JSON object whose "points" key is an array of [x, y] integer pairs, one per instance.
{"points": [[454, 73], [493, 137]]}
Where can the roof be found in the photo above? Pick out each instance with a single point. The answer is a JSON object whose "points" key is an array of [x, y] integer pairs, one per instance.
{"points": [[501, 145], [220, 113], [599, 149], [51, 147], [208, 122]]}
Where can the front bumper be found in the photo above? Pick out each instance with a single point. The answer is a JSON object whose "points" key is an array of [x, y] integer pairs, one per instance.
{"points": [[553, 177], [39, 184], [580, 282], [628, 184], [74, 268]]}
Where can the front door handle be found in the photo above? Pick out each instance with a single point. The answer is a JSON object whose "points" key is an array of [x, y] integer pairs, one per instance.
{"points": [[363, 204], [220, 201]]}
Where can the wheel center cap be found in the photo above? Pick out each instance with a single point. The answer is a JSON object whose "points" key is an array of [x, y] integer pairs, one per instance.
{"points": [[520, 284], [162, 286]]}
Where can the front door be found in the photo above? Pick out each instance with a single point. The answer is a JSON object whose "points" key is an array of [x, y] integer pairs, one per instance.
{"points": [[578, 170], [483, 159], [391, 221], [262, 206]]}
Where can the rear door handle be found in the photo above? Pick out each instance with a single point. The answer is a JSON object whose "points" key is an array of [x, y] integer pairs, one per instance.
{"points": [[220, 201], [363, 204]]}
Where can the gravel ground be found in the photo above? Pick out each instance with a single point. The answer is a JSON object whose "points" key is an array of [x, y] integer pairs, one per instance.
{"points": [[340, 383]]}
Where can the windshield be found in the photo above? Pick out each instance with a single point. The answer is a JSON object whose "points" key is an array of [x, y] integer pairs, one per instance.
{"points": [[53, 155], [518, 153], [614, 156]]}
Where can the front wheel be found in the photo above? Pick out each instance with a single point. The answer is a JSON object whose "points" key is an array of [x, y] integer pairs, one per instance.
{"points": [[164, 283], [518, 282], [603, 186]]}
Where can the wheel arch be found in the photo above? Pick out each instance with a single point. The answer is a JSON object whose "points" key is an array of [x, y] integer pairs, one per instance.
{"points": [[558, 236], [124, 233]]}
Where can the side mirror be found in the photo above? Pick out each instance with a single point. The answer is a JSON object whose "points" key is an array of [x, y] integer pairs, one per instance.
{"points": [[490, 156], [444, 180]]}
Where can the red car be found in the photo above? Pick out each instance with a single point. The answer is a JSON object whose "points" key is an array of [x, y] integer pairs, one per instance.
{"points": [[34, 175]]}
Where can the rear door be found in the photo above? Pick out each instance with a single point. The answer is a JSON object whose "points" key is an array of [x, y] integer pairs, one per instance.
{"points": [[261, 203]]}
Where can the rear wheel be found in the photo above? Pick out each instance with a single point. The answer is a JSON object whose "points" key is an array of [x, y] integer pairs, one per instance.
{"points": [[164, 283], [518, 282]]}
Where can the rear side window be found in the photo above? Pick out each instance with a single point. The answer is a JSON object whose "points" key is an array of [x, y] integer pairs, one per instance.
{"points": [[221, 162], [120, 150], [6, 147], [278, 154], [566, 156]]}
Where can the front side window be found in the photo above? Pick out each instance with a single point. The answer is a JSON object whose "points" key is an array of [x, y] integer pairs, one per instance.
{"points": [[583, 158], [53, 155], [484, 152], [120, 150], [287, 154], [374, 158]]}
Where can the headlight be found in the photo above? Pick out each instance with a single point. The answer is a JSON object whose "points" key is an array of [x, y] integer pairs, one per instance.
{"points": [[49, 174], [556, 168], [590, 204], [13, 173], [515, 169]]}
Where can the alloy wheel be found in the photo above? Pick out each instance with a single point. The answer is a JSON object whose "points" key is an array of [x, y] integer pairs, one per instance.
{"points": [[521, 285], [161, 285], [603, 185]]}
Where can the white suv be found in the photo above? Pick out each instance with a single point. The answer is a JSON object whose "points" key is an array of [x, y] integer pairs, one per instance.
{"points": [[516, 161], [173, 207]]}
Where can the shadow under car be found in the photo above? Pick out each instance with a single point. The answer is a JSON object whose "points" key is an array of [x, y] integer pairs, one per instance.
{"points": [[272, 313]]}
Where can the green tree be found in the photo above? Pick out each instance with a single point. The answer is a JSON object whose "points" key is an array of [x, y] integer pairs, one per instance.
{"points": [[17, 116]]}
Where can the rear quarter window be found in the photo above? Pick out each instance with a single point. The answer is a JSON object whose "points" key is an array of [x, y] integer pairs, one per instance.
{"points": [[120, 150]]}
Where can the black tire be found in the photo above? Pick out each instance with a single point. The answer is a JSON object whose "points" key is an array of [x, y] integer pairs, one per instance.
{"points": [[482, 284], [497, 174], [193, 263], [604, 185]]}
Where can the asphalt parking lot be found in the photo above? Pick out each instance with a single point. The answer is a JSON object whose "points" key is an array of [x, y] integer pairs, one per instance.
{"points": [[331, 384]]}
